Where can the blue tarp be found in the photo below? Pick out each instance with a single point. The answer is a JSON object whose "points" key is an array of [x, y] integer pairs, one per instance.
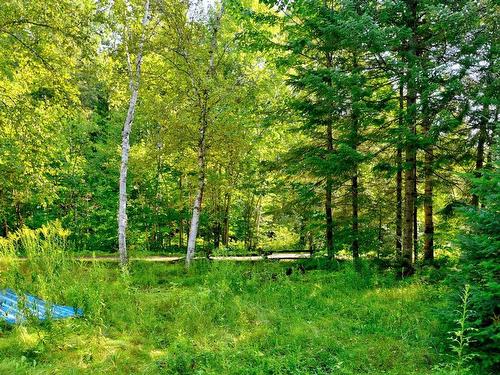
{"points": [[13, 311]]}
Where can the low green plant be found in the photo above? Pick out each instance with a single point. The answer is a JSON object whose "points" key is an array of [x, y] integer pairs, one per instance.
{"points": [[461, 338], [219, 317], [460, 362]]}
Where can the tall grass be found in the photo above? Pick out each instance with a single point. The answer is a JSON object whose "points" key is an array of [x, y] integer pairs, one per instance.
{"points": [[218, 317], [36, 261]]}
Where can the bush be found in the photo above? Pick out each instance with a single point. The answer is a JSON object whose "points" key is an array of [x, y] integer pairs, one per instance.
{"points": [[481, 267]]}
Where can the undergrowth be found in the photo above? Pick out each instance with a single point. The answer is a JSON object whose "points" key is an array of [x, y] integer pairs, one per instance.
{"points": [[220, 317]]}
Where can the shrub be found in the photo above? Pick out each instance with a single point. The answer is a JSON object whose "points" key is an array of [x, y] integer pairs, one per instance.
{"points": [[481, 267]]}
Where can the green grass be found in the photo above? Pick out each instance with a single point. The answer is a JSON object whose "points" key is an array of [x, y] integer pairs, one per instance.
{"points": [[226, 318]]}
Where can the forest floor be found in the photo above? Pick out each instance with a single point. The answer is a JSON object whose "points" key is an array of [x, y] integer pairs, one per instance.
{"points": [[236, 318]]}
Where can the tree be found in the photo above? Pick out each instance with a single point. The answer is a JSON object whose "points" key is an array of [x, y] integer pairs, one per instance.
{"points": [[134, 71], [480, 243]]}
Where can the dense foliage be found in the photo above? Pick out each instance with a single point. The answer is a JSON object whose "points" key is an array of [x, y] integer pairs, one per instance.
{"points": [[347, 128], [481, 252]]}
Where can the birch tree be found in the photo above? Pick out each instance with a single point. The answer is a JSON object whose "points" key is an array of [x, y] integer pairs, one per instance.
{"points": [[203, 100], [134, 71]]}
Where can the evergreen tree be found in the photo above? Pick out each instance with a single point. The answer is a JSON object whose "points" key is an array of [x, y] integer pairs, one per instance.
{"points": [[481, 265]]}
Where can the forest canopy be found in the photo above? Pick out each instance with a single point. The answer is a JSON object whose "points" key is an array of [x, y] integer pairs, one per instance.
{"points": [[313, 121]]}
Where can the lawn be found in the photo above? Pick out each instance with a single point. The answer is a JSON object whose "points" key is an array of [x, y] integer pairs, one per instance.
{"points": [[227, 318]]}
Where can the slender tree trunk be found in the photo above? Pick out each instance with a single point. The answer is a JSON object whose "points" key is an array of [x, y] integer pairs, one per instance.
{"points": [[329, 219], [428, 189], [258, 218], [204, 120], [380, 235], [428, 170], [225, 220], [328, 199], [217, 213], [181, 219], [355, 223], [248, 222], [354, 185], [329, 181], [415, 214], [135, 77], [195, 218], [157, 234], [354, 179], [122, 206], [399, 179], [409, 203], [410, 146]]}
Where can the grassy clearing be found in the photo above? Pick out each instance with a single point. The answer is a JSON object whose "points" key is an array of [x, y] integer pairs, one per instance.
{"points": [[226, 318]]}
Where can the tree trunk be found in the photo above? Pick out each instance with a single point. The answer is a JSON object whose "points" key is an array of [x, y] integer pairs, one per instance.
{"points": [[355, 223], [195, 218], [428, 190], [354, 179], [399, 179], [225, 220], [248, 222], [329, 182], [217, 213], [379, 236], [181, 219], [135, 78], [415, 213], [122, 206], [410, 146], [258, 217], [409, 203], [157, 234], [329, 219], [328, 200], [354, 183], [428, 183]]}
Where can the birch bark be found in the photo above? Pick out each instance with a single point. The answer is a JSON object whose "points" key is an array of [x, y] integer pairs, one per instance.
{"points": [[204, 121], [134, 81]]}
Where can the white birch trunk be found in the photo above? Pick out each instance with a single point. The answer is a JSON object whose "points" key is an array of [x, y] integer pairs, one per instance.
{"points": [[135, 77], [195, 219]]}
